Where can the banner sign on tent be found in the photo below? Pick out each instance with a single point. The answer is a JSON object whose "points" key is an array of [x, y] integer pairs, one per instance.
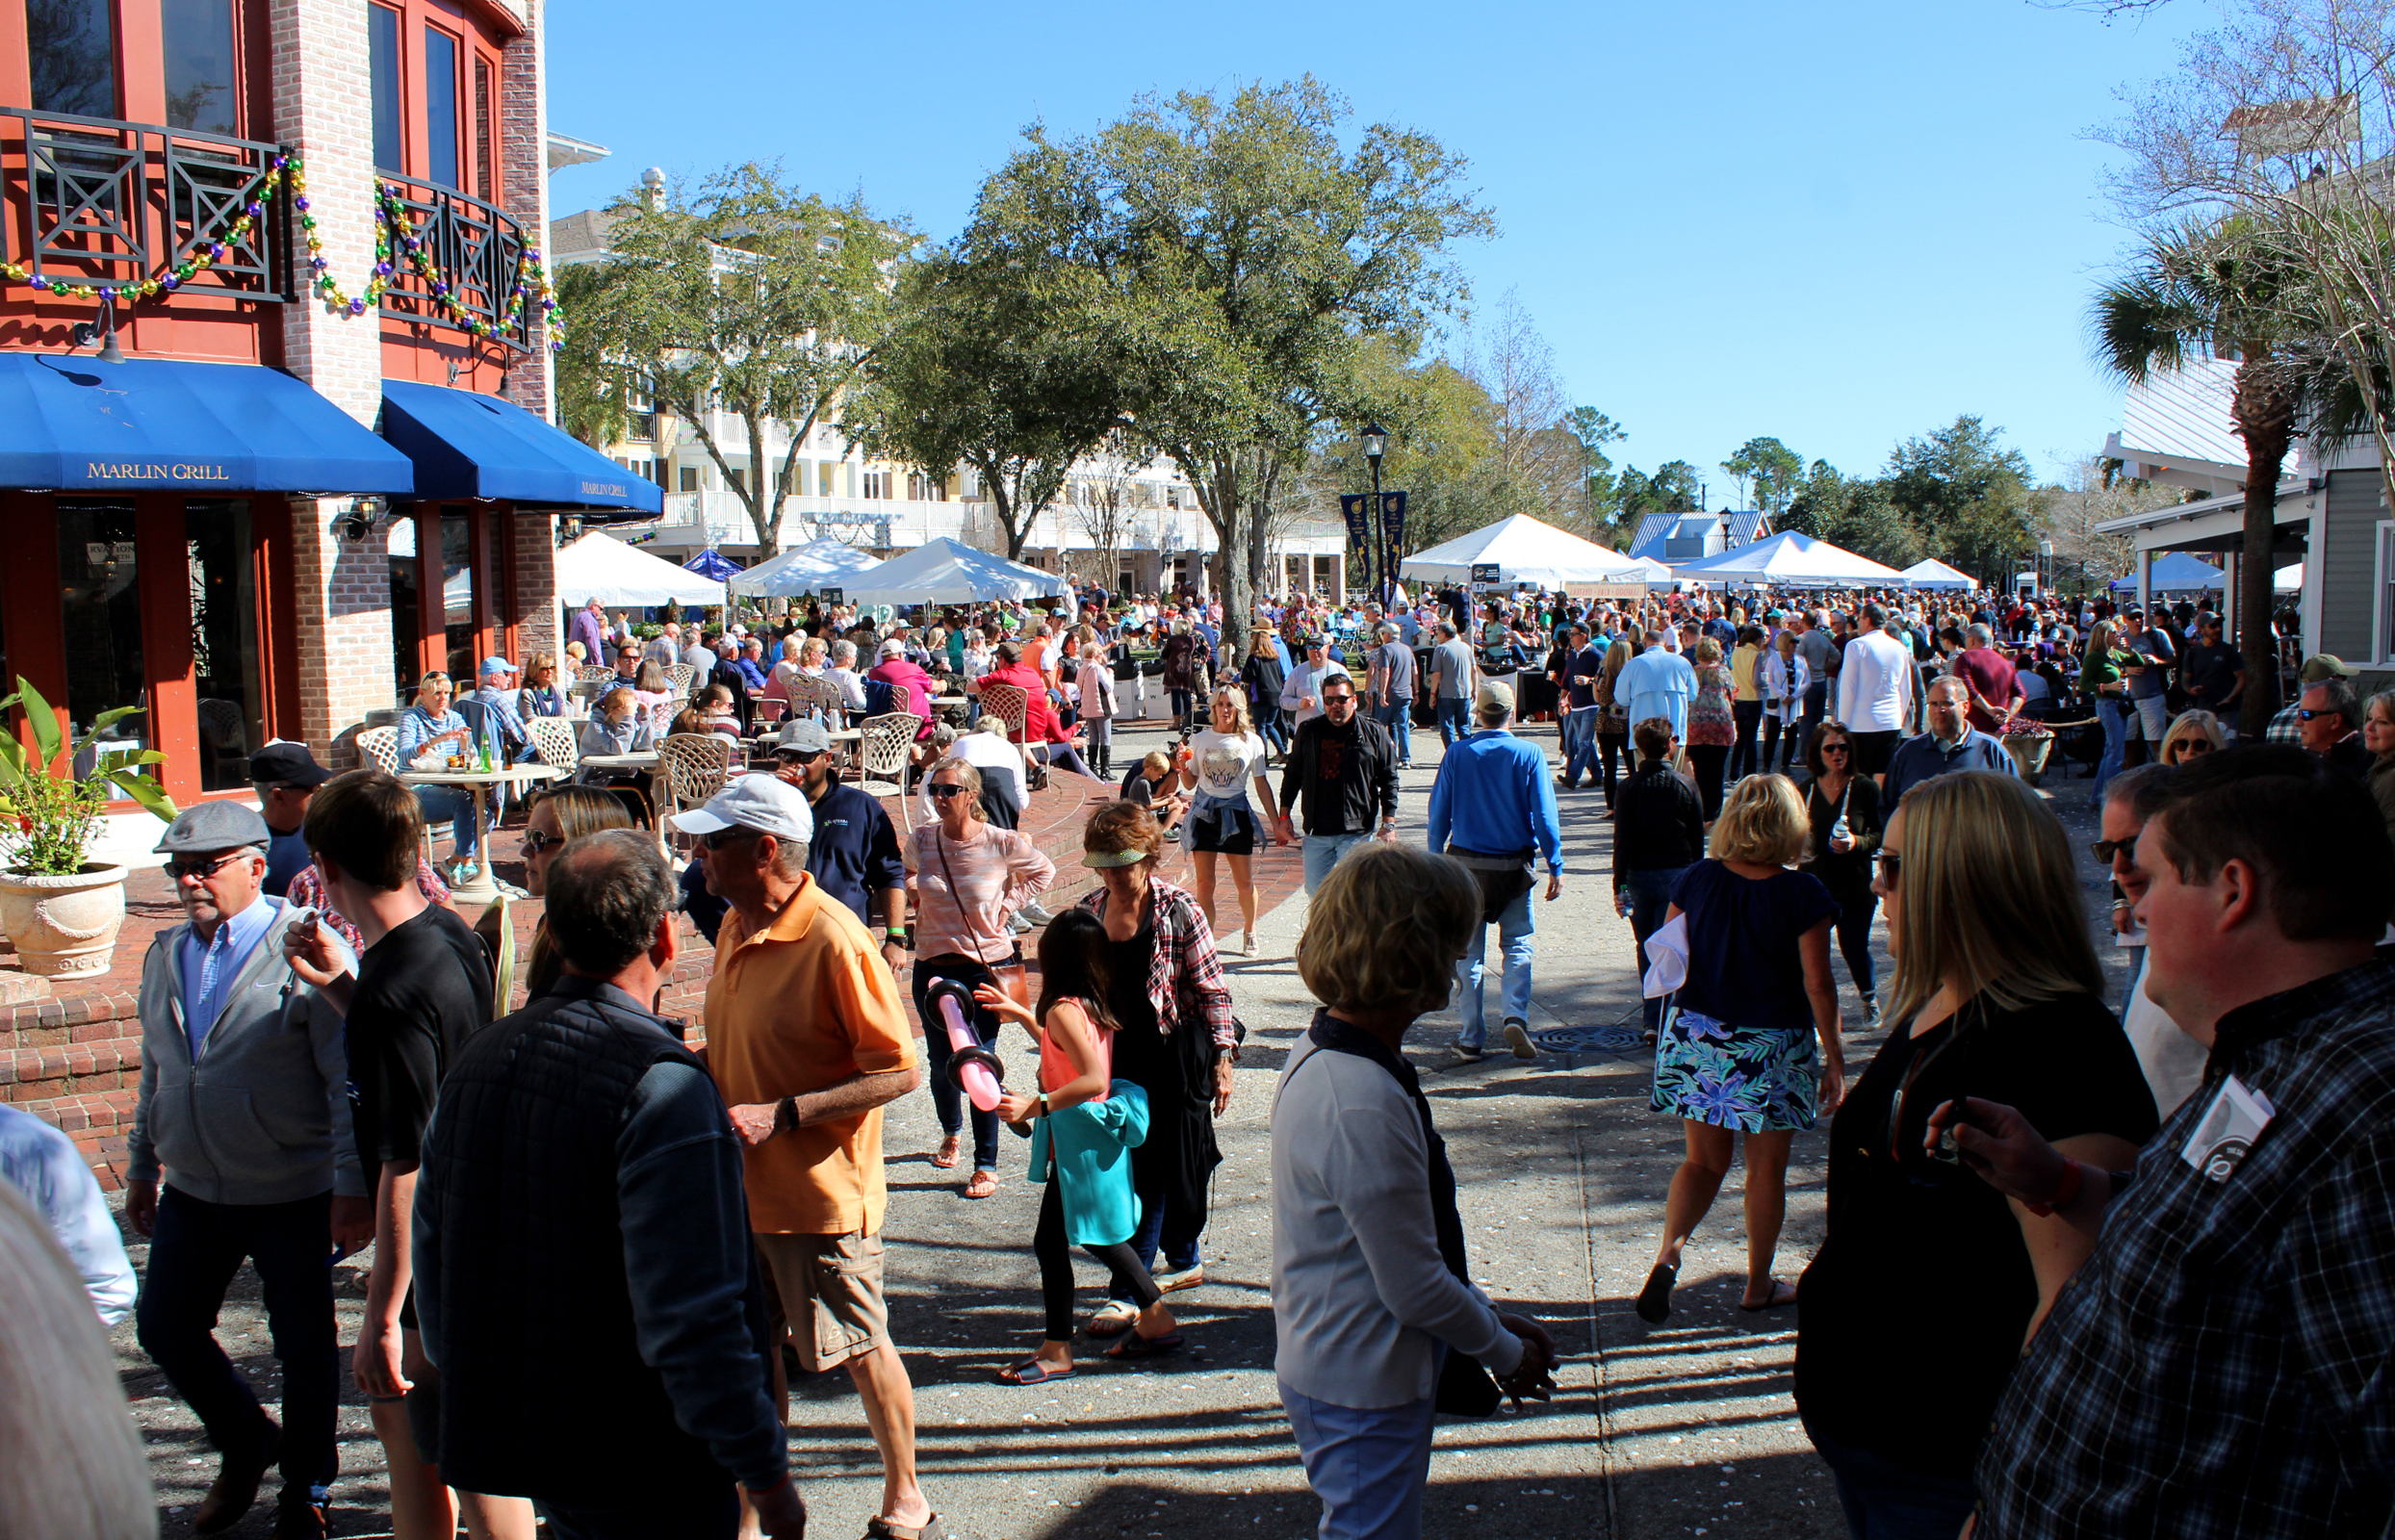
{"points": [[1393, 518], [834, 596], [1485, 574], [1356, 509]]}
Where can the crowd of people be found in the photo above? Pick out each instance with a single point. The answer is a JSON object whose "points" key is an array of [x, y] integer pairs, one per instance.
{"points": [[2154, 1241]]}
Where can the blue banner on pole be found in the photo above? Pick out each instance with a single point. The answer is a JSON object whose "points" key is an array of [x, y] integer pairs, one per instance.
{"points": [[1356, 509], [1393, 520]]}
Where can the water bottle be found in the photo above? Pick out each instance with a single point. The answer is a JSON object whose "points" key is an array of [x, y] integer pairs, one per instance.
{"points": [[485, 746]]}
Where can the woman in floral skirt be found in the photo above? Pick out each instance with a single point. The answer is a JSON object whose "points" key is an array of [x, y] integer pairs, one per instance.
{"points": [[1737, 1054]]}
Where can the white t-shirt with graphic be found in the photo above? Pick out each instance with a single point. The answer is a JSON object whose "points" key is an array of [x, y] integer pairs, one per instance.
{"points": [[1225, 765]]}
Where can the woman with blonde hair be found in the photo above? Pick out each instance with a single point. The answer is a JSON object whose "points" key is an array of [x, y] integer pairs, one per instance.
{"points": [[2101, 678], [1736, 1056], [1367, 1316], [1997, 997], [432, 726], [558, 815], [2193, 733], [1224, 762]]}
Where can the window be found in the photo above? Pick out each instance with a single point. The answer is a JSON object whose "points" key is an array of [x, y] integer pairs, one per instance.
{"points": [[226, 672], [877, 483], [688, 480], [826, 480], [440, 108], [736, 481], [72, 44], [921, 488], [382, 53], [197, 36], [486, 178], [102, 615]]}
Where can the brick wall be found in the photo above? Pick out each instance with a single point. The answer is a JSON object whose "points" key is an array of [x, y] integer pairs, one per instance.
{"points": [[322, 110], [346, 640], [537, 584], [524, 161]]}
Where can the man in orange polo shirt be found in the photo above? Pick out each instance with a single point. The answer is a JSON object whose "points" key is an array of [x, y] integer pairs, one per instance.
{"points": [[807, 1038]]}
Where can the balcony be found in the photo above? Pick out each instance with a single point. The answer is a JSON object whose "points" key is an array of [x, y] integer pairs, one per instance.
{"points": [[455, 261], [94, 202]]}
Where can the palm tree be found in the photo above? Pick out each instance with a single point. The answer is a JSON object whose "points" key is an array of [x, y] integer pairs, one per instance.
{"points": [[2215, 290]]}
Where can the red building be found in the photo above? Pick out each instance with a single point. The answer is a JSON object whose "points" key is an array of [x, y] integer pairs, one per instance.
{"points": [[269, 291]]}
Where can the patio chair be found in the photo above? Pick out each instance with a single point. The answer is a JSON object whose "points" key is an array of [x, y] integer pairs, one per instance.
{"points": [[1011, 705], [556, 741], [680, 675], [692, 767], [887, 748], [380, 748]]}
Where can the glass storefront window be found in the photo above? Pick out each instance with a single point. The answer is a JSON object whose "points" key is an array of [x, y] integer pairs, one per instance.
{"points": [[439, 107], [197, 36], [406, 630], [228, 674], [382, 64], [458, 598], [73, 49], [102, 620]]}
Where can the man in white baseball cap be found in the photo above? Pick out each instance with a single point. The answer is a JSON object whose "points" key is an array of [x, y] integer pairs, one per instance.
{"points": [[807, 1038]]}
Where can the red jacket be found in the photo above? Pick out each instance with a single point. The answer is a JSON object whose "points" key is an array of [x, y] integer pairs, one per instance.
{"points": [[1040, 723]]}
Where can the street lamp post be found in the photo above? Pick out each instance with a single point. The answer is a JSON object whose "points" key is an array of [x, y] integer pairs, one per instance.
{"points": [[1376, 445]]}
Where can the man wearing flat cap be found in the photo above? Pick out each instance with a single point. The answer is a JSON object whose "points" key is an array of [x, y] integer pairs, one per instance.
{"points": [[241, 1149]]}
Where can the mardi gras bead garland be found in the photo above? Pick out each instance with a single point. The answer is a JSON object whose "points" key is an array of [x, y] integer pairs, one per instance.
{"points": [[213, 251]]}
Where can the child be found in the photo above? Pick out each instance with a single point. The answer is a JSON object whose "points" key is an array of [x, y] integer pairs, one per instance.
{"points": [[1080, 1146]]}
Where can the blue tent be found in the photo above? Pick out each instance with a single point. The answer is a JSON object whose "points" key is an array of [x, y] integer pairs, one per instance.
{"points": [[711, 564], [2175, 572]]}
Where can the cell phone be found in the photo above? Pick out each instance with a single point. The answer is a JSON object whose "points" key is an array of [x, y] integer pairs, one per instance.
{"points": [[1947, 1150]]}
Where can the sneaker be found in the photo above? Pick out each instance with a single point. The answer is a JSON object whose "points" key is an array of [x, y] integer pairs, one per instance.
{"points": [[1247, 944], [1561, 785], [1518, 1037], [1019, 925], [1871, 1013], [1036, 912], [1231, 946], [1181, 1279], [1470, 1056]]}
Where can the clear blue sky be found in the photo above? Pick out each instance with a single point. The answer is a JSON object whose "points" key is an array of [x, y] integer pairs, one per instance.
{"points": [[1839, 224]]}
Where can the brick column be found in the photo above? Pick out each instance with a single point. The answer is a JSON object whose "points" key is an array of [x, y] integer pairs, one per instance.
{"points": [[524, 177], [345, 642], [536, 585]]}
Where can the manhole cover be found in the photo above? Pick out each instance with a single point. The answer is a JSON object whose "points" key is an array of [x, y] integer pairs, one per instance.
{"points": [[1590, 1039]]}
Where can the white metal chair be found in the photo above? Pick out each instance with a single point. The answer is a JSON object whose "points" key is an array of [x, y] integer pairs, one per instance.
{"points": [[884, 753], [692, 767], [680, 675], [595, 674], [380, 747], [556, 740]]}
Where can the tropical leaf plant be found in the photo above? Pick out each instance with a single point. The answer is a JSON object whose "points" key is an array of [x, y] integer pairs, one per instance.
{"points": [[49, 814]]}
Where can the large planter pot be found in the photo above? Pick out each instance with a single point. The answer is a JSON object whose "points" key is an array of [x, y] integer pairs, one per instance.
{"points": [[64, 927], [2029, 754]]}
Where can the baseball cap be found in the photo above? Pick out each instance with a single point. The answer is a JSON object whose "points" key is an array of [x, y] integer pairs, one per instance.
{"points": [[2327, 665], [805, 736], [286, 765], [206, 825], [765, 803], [496, 665], [894, 647], [1491, 693]]}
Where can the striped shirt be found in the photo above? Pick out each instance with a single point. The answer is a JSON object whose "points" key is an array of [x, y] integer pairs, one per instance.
{"points": [[994, 873]]}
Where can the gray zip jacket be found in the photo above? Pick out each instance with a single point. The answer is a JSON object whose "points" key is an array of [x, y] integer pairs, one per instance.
{"points": [[264, 1116]]}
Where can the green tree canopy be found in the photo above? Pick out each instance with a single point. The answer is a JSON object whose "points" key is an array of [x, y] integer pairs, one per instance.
{"points": [[1767, 471]]}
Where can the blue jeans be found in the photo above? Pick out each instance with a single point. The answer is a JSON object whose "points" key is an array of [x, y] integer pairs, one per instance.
{"points": [[947, 1101], [1453, 724], [1581, 725], [1513, 939], [458, 808], [2114, 715], [1650, 900], [1323, 852], [1399, 719], [196, 1250], [1885, 1500], [1368, 1465]]}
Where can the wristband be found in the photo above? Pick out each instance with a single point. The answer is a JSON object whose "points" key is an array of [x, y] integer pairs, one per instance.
{"points": [[2073, 1178]]}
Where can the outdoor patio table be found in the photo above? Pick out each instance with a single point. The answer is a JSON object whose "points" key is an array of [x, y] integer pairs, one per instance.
{"points": [[484, 886]]}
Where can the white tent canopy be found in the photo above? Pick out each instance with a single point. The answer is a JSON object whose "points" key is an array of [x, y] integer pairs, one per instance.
{"points": [[818, 564], [599, 566], [1788, 559], [1524, 551], [1642, 570], [1935, 574], [948, 572]]}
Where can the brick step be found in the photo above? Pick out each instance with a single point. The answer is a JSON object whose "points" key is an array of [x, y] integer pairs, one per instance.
{"points": [[100, 1123], [29, 1075]]}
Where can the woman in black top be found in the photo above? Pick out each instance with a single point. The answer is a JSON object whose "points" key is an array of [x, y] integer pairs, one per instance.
{"points": [[1929, 1282], [1659, 833], [1843, 863]]}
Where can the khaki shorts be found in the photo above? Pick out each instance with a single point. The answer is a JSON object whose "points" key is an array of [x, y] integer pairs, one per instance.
{"points": [[827, 1291]]}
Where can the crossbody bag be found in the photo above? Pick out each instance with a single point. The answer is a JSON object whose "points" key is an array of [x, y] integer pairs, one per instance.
{"points": [[1011, 977]]}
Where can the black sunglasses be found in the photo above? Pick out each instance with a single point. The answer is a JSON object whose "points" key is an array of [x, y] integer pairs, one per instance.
{"points": [[2106, 849], [1891, 866], [2306, 713], [945, 790], [1835, 748], [177, 870], [717, 839], [536, 841], [799, 755]]}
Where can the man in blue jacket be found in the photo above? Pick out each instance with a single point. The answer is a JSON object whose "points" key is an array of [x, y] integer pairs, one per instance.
{"points": [[1492, 808]]}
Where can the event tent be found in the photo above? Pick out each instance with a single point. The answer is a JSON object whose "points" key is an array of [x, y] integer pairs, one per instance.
{"points": [[712, 564], [948, 572], [2175, 572], [1524, 551], [1641, 569], [599, 566], [1789, 560], [820, 563], [1935, 574]]}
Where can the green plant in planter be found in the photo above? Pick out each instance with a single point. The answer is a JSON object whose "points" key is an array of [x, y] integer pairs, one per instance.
{"points": [[48, 815]]}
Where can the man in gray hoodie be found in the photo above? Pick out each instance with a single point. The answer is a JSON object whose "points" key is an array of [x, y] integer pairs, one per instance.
{"points": [[244, 1108]]}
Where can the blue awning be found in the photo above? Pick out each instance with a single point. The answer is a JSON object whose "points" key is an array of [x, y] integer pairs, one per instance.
{"points": [[72, 422], [470, 446]]}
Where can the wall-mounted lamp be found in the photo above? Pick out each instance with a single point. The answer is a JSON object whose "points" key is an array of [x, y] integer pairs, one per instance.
{"points": [[359, 522]]}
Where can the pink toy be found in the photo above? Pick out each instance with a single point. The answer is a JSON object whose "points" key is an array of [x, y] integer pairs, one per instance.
{"points": [[972, 1069]]}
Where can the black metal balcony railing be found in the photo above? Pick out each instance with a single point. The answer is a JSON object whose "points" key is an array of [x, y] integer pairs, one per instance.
{"points": [[93, 200], [465, 263]]}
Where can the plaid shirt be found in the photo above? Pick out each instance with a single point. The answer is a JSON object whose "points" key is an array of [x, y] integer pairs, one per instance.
{"points": [[2224, 1364], [2283, 727], [1185, 976]]}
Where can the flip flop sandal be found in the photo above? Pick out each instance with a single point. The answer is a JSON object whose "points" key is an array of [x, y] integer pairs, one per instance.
{"points": [[951, 1150], [982, 1185], [1110, 1323], [1135, 1346], [1655, 1299], [1783, 1295], [1030, 1372], [883, 1530]]}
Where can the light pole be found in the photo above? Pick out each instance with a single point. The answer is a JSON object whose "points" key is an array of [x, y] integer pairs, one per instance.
{"points": [[1376, 445]]}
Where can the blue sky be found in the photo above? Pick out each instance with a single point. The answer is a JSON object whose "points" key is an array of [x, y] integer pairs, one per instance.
{"points": [[1839, 224]]}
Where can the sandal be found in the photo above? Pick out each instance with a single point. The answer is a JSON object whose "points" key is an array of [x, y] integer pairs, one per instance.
{"points": [[1782, 1296], [1031, 1372], [1135, 1346], [1655, 1299], [950, 1148], [982, 1183], [1113, 1321]]}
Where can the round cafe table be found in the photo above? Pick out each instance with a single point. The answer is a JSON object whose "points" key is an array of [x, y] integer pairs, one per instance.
{"points": [[484, 887]]}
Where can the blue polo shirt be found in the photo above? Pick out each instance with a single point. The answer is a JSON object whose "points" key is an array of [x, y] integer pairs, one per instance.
{"points": [[1927, 758], [855, 851]]}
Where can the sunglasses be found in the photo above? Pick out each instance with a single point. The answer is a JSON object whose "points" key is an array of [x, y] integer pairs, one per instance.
{"points": [[799, 755], [201, 870], [717, 839], [536, 841], [1891, 866], [2306, 713], [945, 790], [1835, 748]]}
